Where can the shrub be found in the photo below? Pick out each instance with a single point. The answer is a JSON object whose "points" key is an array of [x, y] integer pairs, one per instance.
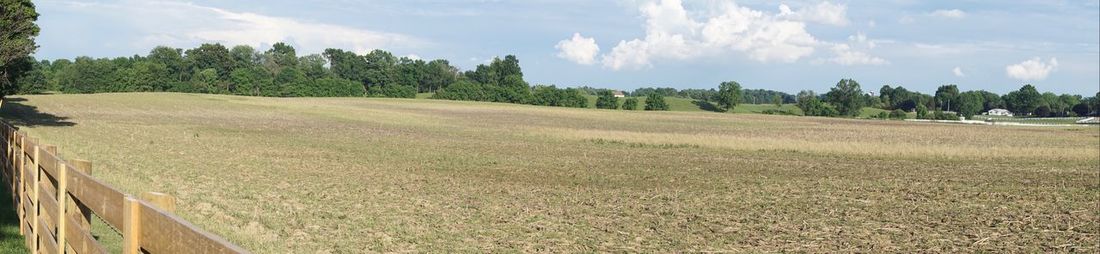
{"points": [[883, 115], [898, 114], [655, 101], [630, 104], [778, 112], [607, 100]]}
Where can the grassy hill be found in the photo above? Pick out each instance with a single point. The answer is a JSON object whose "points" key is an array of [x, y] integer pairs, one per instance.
{"points": [[305, 175]]}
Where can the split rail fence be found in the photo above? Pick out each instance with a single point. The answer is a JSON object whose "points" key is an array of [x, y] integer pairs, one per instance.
{"points": [[55, 200]]}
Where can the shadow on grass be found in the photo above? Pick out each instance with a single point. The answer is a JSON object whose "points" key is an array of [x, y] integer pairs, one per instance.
{"points": [[706, 105], [10, 240], [16, 112]]}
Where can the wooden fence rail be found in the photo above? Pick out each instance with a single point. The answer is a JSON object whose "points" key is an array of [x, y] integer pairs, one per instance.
{"points": [[55, 200]]}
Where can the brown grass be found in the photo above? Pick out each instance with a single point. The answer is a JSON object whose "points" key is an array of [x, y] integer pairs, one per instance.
{"points": [[351, 175]]}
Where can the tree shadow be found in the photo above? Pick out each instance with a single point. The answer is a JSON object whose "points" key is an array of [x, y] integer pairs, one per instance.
{"points": [[706, 105], [16, 112]]}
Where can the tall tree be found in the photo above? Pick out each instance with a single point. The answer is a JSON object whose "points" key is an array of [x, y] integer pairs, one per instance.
{"points": [[947, 97], [1023, 101], [729, 95], [607, 100], [970, 103], [17, 33], [847, 97], [656, 101], [210, 56]]}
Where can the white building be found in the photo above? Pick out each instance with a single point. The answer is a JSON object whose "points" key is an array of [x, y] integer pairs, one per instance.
{"points": [[999, 112], [618, 94]]}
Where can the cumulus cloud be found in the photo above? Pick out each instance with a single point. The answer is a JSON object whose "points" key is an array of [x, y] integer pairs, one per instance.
{"points": [[854, 52], [672, 33], [1032, 69], [823, 12], [958, 72], [578, 49], [184, 24], [952, 13]]}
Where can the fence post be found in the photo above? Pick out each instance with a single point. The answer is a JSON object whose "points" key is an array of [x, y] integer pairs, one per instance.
{"points": [[62, 204], [131, 226], [37, 173], [20, 166], [163, 201], [85, 167]]}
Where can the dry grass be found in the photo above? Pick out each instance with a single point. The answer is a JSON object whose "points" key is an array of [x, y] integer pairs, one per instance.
{"points": [[351, 175]]}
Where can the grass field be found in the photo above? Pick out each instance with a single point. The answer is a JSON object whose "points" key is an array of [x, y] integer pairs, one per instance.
{"points": [[307, 175]]}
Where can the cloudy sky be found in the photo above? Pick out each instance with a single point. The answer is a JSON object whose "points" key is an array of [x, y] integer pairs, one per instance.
{"points": [[625, 44]]}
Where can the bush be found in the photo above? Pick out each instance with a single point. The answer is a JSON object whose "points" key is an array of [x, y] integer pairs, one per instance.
{"points": [[922, 112], [883, 115], [898, 114], [552, 96], [607, 100], [630, 104], [655, 101], [778, 112], [462, 91]]}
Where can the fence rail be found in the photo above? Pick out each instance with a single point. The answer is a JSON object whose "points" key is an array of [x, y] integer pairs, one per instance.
{"points": [[55, 200]]}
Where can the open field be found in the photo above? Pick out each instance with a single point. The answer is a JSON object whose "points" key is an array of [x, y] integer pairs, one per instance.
{"points": [[306, 175]]}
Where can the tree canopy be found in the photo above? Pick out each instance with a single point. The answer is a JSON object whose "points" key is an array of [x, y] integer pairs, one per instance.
{"points": [[17, 34]]}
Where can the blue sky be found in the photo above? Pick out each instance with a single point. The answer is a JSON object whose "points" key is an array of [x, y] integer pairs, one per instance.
{"points": [[625, 44]]}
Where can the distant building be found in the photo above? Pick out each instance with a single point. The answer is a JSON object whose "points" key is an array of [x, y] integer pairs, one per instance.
{"points": [[618, 94], [999, 112]]}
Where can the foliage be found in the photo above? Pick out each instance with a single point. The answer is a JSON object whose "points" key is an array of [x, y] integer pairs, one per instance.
{"points": [[898, 114], [1082, 109], [729, 95], [922, 111], [17, 33], [607, 100], [655, 101], [553, 96], [847, 97], [1023, 101], [812, 106], [969, 103], [630, 104], [947, 97]]}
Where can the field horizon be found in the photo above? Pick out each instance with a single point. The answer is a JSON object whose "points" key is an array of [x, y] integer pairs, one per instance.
{"points": [[329, 175]]}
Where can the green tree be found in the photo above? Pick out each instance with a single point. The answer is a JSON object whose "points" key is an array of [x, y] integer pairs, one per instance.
{"points": [[947, 97], [607, 100], [922, 111], [250, 81], [210, 56], [847, 97], [655, 101], [777, 100], [970, 103], [171, 58], [17, 34], [630, 104], [1082, 109], [1023, 101], [729, 95]]}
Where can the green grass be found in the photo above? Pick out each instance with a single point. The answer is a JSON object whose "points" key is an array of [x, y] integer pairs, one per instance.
{"points": [[304, 175], [424, 95], [10, 240]]}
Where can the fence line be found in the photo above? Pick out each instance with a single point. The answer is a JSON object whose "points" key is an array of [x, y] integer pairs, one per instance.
{"points": [[55, 199]]}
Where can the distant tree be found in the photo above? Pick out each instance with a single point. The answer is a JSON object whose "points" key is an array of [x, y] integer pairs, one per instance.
{"points": [[171, 58], [210, 56], [884, 94], [17, 34], [656, 101], [630, 104], [347, 65], [991, 100], [777, 100], [810, 105], [947, 97], [922, 111], [969, 103], [898, 114], [1042, 111], [1082, 109], [251, 81], [729, 95], [1023, 101], [313, 66], [847, 97], [1096, 103], [607, 100]]}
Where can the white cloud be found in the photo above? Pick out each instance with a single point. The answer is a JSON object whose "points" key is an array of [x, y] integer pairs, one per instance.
{"points": [[958, 72], [181, 24], [824, 12], [671, 33], [1033, 69], [579, 49], [952, 13], [853, 52]]}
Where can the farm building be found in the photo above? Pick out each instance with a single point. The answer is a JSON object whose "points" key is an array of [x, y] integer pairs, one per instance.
{"points": [[999, 112], [618, 94]]}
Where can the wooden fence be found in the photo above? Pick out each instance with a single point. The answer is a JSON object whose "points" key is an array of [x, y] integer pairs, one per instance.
{"points": [[55, 200]]}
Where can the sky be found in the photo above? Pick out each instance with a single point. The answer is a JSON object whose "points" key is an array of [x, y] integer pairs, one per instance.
{"points": [[624, 44]]}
